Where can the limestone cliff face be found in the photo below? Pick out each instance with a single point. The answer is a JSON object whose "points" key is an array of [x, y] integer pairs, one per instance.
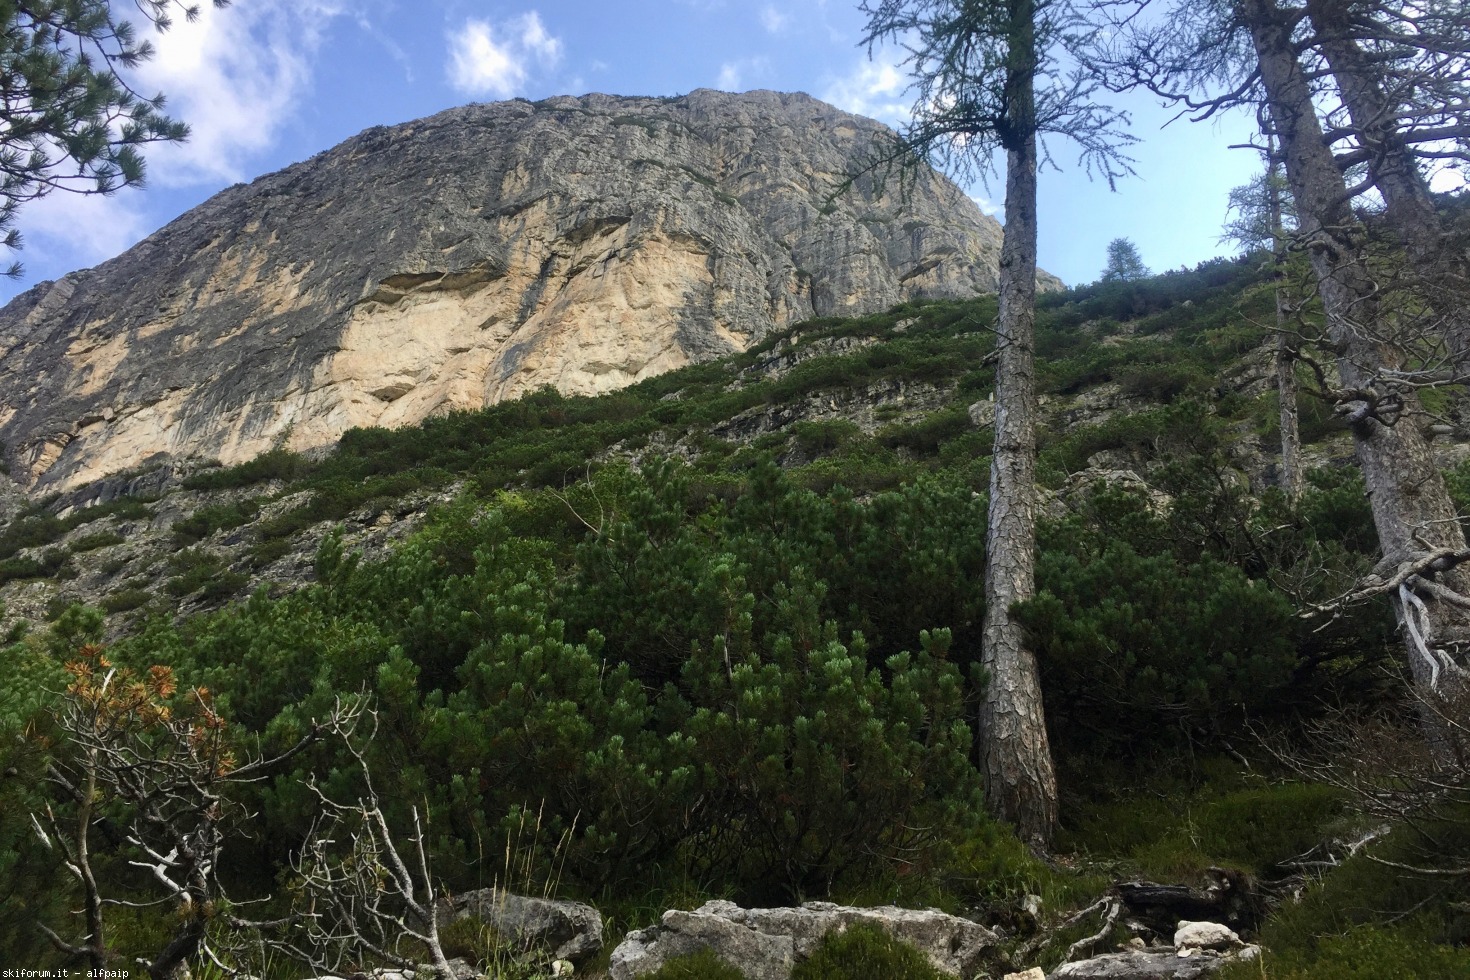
{"points": [[458, 260]]}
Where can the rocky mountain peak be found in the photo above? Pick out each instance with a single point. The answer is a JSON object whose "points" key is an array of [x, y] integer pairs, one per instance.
{"points": [[458, 260]]}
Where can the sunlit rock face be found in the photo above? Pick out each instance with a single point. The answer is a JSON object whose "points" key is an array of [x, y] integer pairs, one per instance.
{"points": [[459, 260]]}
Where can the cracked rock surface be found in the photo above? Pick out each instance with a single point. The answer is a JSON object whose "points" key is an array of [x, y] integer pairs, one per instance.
{"points": [[766, 944], [454, 261]]}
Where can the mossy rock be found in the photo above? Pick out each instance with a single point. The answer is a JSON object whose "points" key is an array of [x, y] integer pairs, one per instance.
{"points": [[863, 952], [703, 965]]}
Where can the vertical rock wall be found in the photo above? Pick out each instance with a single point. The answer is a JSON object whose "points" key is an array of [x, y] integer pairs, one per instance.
{"points": [[458, 260]]}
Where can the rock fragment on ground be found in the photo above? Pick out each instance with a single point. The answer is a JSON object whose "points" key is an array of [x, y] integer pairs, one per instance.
{"points": [[766, 944], [565, 930]]}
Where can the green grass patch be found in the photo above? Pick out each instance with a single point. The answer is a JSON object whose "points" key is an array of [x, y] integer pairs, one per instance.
{"points": [[862, 952], [1363, 953], [1176, 835]]}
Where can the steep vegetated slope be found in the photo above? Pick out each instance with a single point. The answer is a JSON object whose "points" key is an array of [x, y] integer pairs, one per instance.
{"points": [[455, 261], [866, 402], [718, 630]]}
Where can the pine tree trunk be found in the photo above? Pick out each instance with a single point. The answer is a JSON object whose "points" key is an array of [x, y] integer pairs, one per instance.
{"points": [[1020, 782], [1286, 387], [1286, 390], [1412, 511]]}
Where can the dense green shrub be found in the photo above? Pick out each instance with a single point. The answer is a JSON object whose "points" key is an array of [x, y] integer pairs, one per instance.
{"points": [[29, 685], [213, 517], [277, 464], [95, 540], [1140, 432], [1162, 382], [924, 438], [126, 600], [204, 572], [737, 695], [824, 437], [31, 531], [23, 568], [269, 550], [1140, 638]]}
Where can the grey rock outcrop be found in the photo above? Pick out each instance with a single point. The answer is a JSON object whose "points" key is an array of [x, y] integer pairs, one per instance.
{"points": [[1200, 948], [458, 260], [462, 971], [562, 929], [766, 944], [1206, 935], [1165, 964]]}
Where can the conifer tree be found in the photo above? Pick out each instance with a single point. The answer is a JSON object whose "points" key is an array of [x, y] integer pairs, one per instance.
{"points": [[1124, 262], [987, 78], [1261, 213], [1211, 55], [69, 117], [1401, 69]]}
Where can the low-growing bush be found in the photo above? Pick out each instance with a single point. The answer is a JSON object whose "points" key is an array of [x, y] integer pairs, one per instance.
{"points": [[925, 437], [1162, 383], [823, 437], [31, 531], [213, 517], [224, 585], [267, 551], [194, 569], [49, 564], [278, 464], [126, 600], [98, 539]]}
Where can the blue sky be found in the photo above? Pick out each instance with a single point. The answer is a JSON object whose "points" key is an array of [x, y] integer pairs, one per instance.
{"points": [[265, 83]]}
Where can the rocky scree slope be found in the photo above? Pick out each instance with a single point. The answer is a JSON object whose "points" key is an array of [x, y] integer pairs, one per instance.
{"points": [[459, 260]]}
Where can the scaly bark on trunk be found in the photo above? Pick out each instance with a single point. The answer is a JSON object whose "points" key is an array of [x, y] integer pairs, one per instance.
{"points": [[1286, 347], [1412, 511], [1020, 783]]}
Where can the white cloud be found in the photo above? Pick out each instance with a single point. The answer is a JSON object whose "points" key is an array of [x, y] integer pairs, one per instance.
{"points": [[734, 74], [877, 87], [773, 20], [236, 76], [395, 50], [988, 206], [478, 65], [729, 80], [535, 39], [79, 231], [496, 59], [1447, 179]]}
